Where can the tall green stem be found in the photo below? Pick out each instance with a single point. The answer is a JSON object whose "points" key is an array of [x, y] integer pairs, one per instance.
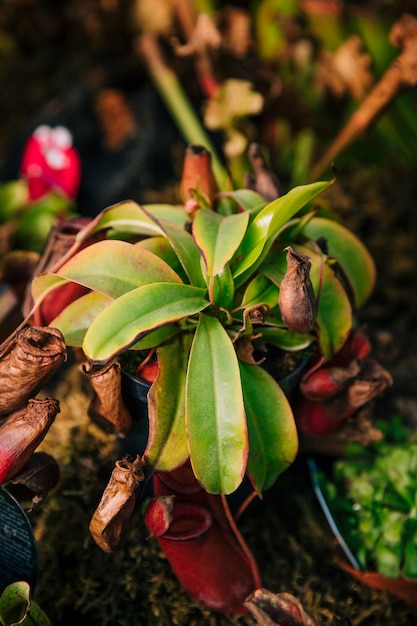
{"points": [[177, 102]]}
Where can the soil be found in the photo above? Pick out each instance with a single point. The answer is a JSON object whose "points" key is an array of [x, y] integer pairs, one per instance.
{"points": [[63, 54]]}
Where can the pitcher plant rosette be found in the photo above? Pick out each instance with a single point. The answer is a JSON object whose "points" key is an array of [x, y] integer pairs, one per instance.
{"points": [[209, 290]]}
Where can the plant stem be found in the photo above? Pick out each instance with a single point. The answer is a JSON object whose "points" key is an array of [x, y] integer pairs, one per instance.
{"points": [[177, 102]]}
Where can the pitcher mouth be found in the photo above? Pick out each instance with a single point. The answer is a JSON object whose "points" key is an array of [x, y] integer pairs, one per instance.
{"points": [[189, 521], [184, 481]]}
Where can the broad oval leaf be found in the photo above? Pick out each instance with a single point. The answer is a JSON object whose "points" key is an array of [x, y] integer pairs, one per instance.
{"points": [[44, 284], [116, 267], [273, 439], [126, 217], [137, 313], [168, 213], [162, 248], [76, 318], [218, 237], [351, 254], [216, 424], [167, 446], [267, 224]]}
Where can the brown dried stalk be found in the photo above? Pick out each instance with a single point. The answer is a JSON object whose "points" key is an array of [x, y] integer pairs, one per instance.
{"points": [[111, 519], [263, 180], [22, 432], [401, 73], [107, 408], [28, 359], [282, 609]]}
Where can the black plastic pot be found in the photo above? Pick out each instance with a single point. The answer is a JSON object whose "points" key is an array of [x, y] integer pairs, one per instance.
{"points": [[135, 392]]}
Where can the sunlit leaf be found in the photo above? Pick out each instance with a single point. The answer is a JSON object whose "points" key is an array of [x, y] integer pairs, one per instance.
{"points": [[218, 237], [216, 422], [116, 267], [273, 440], [168, 213], [125, 217], [167, 446], [44, 284], [187, 252], [224, 288], [137, 313], [268, 222], [245, 200], [75, 319], [260, 289]]}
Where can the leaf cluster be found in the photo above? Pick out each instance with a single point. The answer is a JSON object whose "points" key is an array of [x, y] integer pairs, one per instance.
{"points": [[203, 293]]}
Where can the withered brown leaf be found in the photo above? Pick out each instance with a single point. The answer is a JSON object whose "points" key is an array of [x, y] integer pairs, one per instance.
{"points": [[111, 519], [107, 408], [297, 302], [282, 609], [28, 359], [36, 479]]}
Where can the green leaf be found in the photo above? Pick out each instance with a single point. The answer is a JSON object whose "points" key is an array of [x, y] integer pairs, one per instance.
{"points": [[116, 267], [273, 439], [162, 248], [246, 199], [168, 213], [334, 316], [352, 256], [224, 288], [267, 224], [284, 339], [260, 289], [17, 607], [44, 284], [126, 217], [218, 237], [187, 252], [167, 446], [216, 424], [75, 319], [137, 313]]}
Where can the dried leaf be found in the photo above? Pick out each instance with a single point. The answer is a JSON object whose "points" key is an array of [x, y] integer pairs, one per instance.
{"points": [[111, 519], [297, 302], [27, 361], [40, 474], [264, 181], [22, 432], [280, 609], [107, 408]]}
